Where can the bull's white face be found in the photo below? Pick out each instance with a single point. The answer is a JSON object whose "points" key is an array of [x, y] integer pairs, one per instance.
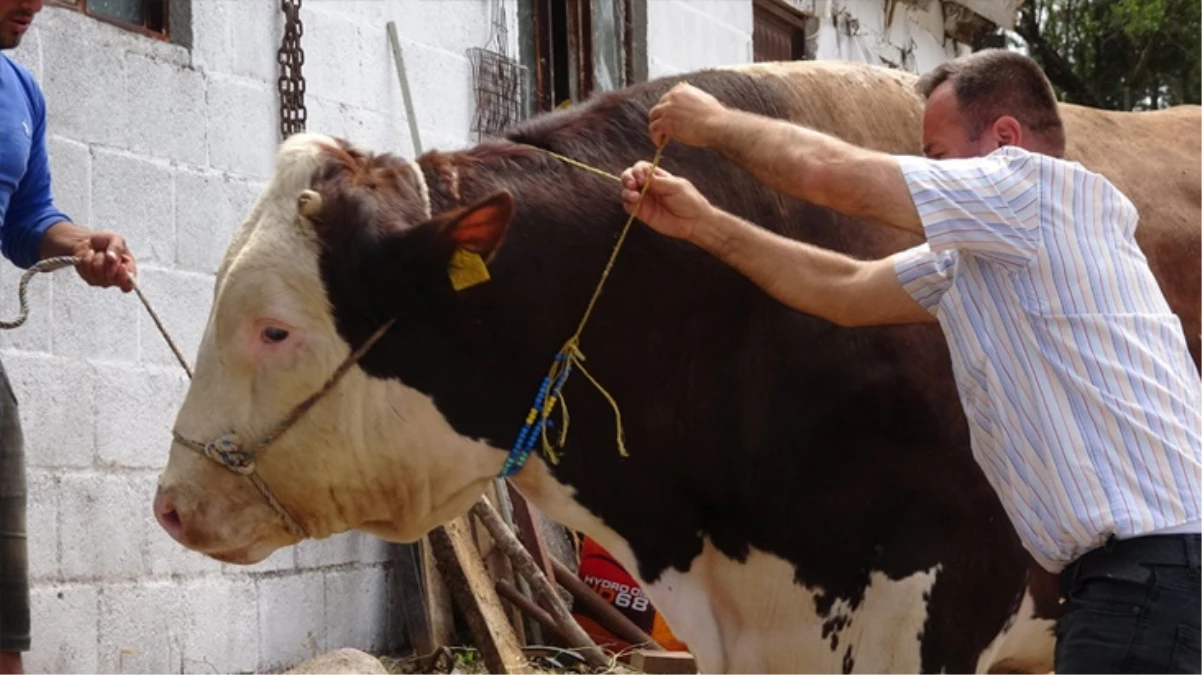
{"points": [[372, 454]]}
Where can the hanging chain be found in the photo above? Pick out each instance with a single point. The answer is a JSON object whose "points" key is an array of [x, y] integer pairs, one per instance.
{"points": [[292, 83]]}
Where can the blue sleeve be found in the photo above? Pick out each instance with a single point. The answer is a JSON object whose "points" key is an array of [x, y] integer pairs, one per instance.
{"points": [[31, 211]]}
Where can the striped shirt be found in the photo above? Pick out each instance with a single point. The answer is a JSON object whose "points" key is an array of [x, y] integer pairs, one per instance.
{"points": [[1080, 394]]}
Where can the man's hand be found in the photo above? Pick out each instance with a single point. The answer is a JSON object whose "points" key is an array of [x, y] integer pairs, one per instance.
{"points": [[106, 260], [672, 206], [687, 115]]}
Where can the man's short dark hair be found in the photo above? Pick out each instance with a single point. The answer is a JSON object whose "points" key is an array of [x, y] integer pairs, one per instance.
{"points": [[995, 82]]}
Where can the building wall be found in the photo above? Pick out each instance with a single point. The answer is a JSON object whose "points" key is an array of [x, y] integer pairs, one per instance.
{"points": [[169, 146], [684, 35]]}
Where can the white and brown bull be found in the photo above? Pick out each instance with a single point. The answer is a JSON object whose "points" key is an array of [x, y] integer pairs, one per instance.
{"points": [[797, 496]]}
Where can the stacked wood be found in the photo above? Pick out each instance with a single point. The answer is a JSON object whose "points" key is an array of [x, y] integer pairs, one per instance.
{"points": [[484, 572]]}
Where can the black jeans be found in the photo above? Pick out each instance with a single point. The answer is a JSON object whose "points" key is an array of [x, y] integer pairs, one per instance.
{"points": [[14, 561], [1133, 607]]}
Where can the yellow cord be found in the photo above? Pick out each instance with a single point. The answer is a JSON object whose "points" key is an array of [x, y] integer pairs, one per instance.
{"points": [[574, 356]]}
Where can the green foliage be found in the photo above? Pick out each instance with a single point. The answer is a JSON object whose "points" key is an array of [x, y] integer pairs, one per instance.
{"points": [[1117, 54]]}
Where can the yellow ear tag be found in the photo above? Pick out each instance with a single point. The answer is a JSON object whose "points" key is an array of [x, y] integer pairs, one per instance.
{"points": [[467, 269]]}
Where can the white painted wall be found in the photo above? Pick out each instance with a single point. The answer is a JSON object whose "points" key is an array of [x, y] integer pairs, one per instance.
{"points": [[685, 35], [170, 146]]}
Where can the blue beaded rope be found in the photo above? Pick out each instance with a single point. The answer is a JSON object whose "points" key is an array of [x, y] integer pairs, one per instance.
{"points": [[536, 419]]}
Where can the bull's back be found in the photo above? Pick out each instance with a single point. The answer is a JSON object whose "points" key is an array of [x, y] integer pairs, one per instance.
{"points": [[1155, 158]]}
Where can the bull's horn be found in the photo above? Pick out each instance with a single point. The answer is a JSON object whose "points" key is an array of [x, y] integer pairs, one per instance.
{"points": [[309, 203]]}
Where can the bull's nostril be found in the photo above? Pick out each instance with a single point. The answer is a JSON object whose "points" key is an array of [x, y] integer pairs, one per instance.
{"points": [[171, 521], [168, 517]]}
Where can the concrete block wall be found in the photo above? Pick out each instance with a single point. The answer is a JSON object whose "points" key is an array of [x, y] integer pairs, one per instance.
{"points": [[169, 146]]}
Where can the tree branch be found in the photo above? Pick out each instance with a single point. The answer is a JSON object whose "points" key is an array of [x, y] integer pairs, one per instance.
{"points": [[1057, 68]]}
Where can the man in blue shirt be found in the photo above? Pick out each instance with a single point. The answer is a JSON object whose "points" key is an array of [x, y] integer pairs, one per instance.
{"points": [[31, 229]]}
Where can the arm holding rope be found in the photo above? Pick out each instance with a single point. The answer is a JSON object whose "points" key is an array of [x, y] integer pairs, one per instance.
{"points": [[838, 288], [34, 229], [105, 260], [790, 158]]}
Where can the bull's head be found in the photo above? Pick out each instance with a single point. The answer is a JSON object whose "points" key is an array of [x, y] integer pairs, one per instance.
{"points": [[371, 453]]}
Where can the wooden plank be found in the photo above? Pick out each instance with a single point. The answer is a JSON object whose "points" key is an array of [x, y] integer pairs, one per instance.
{"points": [[663, 663], [526, 521], [475, 594], [436, 599], [499, 567]]}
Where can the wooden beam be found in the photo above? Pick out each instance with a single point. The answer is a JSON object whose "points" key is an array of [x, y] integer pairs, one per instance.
{"points": [[526, 520], [526, 605], [424, 599], [602, 612], [663, 663], [475, 594], [524, 564]]}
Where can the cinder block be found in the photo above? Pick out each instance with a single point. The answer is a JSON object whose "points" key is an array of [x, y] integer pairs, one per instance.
{"points": [[209, 208], [91, 322], [135, 408], [292, 624], [341, 549], [104, 519], [242, 125], [441, 84], [376, 131], [326, 115], [35, 335], [460, 25], [170, 110], [131, 195], [358, 609], [334, 63], [54, 396], [41, 523], [70, 176], [79, 80], [182, 301], [64, 627], [230, 37], [198, 626]]}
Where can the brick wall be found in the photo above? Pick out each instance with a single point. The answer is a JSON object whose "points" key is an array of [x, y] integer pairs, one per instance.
{"points": [[169, 146]]}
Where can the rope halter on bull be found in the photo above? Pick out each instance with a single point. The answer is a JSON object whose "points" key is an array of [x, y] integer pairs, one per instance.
{"points": [[225, 450]]}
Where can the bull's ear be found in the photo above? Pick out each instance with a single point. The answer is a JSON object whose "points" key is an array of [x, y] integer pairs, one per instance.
{"points": [[481, 226]]}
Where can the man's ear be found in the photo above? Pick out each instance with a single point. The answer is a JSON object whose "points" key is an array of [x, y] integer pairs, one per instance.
{"points": [[479, 227], [1008, 131]]}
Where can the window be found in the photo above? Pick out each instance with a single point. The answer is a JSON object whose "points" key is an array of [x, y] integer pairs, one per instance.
{"points": [[575, 47], [149, 17], [780, 33]]}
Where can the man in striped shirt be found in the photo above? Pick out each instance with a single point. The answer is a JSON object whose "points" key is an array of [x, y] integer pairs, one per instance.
{"points": [[1082, 400]]}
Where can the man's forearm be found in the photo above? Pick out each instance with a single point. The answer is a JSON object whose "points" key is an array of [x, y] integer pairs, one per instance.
{"points": [[61, 239], [779, 154], [804, 277], [817, 168]]}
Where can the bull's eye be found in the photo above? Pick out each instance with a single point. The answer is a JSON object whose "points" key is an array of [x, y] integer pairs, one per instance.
{"points": [[272, 334]]}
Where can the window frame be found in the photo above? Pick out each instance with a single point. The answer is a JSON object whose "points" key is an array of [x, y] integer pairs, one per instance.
{"points": [[166, 35]]}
